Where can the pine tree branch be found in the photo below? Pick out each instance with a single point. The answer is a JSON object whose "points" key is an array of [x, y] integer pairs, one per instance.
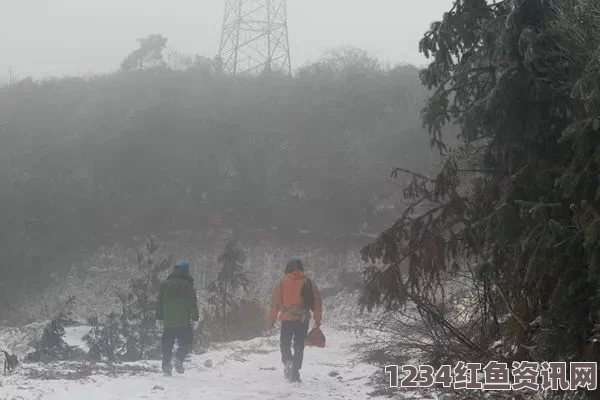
{"points": [[409, 172]]}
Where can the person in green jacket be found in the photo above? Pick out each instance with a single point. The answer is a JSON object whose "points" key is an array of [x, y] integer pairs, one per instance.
{"points": [[177, 314]]}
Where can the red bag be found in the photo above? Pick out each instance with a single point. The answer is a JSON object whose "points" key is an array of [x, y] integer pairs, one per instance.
{"points": [[315, 338]]}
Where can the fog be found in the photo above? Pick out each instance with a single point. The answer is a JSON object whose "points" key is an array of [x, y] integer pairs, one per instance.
{"points": [[148, 196], [74, 37], [154, 145], [381, 208]]}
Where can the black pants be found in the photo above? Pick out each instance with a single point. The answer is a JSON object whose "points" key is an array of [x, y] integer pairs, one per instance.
{"points": [[185, 341], [297, 331]]}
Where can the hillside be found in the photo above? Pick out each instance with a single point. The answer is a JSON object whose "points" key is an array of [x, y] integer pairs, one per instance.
{"points": [[96, 278], [248, 370], [87, 163]]}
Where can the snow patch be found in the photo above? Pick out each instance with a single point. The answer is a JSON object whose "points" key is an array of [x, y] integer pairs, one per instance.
{"points": [[74, 336], [19, 340]]}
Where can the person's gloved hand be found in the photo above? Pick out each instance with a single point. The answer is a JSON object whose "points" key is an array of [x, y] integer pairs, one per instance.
{"points": [[159, 325]]}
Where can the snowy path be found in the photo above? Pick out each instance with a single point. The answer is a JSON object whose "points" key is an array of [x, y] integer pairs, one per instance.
{"points": [[241, 370]]}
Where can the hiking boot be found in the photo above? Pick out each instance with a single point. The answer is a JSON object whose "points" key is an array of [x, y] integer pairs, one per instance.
{"points": [[288, 370], [179, 366]]}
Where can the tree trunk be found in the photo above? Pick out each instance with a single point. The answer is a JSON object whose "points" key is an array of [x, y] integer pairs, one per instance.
{"points": [[224, 310]]}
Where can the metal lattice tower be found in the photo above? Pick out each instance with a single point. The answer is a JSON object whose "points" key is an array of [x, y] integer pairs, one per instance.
{"points": [[255, 37]]}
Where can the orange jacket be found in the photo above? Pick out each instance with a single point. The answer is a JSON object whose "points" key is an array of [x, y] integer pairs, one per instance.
{"points": [[287, 299]]}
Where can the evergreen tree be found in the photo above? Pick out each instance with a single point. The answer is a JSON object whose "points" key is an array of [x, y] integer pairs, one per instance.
{"points": [[51, 346], [517, 204], [230, 279], [104, 340], [132, 335], [150, 53]]}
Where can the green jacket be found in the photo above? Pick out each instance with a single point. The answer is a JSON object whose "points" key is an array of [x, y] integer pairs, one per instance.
{"points": [[177, 303]]}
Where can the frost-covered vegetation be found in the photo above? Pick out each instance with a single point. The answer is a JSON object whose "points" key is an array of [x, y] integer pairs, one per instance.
{"points": [[520, 79], [492, 255]]}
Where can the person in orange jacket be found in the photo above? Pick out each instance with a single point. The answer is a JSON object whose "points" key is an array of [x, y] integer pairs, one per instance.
{"points": [[289, 301]]}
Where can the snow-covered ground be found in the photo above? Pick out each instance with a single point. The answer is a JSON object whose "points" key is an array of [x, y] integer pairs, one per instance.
{"points": [[238, 370], [74, 336]]}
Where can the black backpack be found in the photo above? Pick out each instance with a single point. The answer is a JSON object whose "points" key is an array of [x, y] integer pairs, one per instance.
{"points": [[307, 294]]}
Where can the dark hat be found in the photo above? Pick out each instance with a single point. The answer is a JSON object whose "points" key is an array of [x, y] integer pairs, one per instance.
{"points": [[294, 264]]}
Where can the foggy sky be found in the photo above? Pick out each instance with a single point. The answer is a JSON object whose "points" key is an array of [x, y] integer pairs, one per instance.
{"points": [[74, 37]]}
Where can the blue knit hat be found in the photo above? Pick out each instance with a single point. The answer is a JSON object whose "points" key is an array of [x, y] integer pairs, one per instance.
{"points": [[182, 264]]}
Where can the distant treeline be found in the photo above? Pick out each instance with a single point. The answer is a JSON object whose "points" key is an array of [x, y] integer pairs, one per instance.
{"points": [[86, 161]]}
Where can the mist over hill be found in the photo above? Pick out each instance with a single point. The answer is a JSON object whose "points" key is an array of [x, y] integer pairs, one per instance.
{"points": [[88, 162]]}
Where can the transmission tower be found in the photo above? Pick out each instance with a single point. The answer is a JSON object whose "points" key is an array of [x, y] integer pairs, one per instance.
{"points": [[255, 37]]}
